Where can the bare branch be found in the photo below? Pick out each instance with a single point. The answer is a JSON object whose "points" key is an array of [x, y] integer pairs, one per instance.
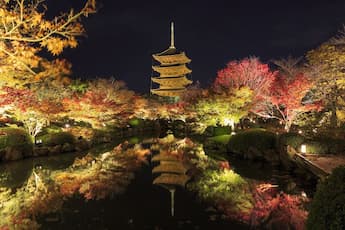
{"points": [[288, 65], [338, 39]]}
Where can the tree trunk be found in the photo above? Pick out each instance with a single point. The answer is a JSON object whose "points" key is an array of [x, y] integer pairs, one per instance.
{"points": [[334, 120]]}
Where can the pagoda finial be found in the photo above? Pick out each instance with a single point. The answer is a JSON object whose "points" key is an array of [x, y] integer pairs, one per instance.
{"points": [[172, 41]]}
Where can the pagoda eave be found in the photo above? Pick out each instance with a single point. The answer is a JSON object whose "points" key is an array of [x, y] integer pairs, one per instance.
{"points": [[168, 92], [172, 71], [176, 82], [172, 59]]}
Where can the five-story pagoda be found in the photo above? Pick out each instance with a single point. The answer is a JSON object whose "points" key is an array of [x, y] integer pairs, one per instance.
{"points": [[171, 71]]}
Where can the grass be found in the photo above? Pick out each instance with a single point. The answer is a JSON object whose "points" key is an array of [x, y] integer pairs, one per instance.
{"points": [[259, 139], [221, 139]]}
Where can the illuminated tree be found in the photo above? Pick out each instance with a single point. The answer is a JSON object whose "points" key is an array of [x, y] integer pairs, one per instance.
{"points": [[221, 109], [25, 31], [33, 123], [105, 101], [329, 60], [24, 106], [20, 99], [251, 73], [288, 99]]}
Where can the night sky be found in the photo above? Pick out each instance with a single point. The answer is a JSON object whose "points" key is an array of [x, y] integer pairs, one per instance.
{"points": [[123, 34]]}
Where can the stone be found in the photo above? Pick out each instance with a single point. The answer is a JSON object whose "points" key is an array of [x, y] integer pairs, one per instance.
{"points": [[67, 147], [82, 145], [55, 149], [40, 151]]}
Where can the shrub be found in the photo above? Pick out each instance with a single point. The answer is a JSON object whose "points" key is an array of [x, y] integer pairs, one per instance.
{"points": [[222, 130], [134, 122], [224, 187], [259, 139], [327, 145], [14, 137], [327, 210], [52, 139], [315, 147], [292, 139]]}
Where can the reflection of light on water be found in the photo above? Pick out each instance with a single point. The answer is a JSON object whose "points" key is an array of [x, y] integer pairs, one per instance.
{"points": [[4, 176]]}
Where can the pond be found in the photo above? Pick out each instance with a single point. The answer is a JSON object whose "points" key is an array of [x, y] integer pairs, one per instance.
{"points": [[143, 205]]}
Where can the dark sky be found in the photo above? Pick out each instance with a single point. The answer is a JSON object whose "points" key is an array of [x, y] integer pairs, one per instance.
{"points": [[123, 34]]}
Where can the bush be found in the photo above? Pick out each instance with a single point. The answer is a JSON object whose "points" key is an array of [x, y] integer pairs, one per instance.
{"points": [[315, 147], [224, 187], [50, 129], [134, 122], [292, 139], [212, 131], [14, 137], [327, 210], [326, 145], [259, 139], [222, 130], [15, 143], [52, 139]]}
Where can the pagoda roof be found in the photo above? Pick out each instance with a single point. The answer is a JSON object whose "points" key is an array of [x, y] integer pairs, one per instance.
{"points": [[172, 81], [172, 71], [164, 157], [169, 51], [172, 179], [169, 92], [171, 58], [170, 167]]}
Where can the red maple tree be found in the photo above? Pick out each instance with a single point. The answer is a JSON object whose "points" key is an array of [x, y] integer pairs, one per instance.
{"points": [[251, 73], [19, 98], [248, 72], [288, 99]]}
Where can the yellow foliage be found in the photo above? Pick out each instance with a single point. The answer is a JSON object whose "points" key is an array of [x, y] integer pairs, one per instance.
{"points": [[24, 32], [341, 115]]}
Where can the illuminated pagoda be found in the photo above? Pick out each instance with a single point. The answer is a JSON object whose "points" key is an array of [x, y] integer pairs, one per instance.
{"points": [[171, 71]]}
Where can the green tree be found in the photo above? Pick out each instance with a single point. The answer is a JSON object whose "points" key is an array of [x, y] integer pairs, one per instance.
{"points": [[224, 109], [327, 210], [329, 62]]}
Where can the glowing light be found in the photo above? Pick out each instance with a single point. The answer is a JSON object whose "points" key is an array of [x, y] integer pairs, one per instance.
{"points": [[300, 131], [229, 122], [39, 141], [233, 133], [303, 194], [303, 148], [67, 126]]}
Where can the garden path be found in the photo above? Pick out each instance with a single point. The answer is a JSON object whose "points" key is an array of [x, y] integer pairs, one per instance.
{"points": [[321, 164]]}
